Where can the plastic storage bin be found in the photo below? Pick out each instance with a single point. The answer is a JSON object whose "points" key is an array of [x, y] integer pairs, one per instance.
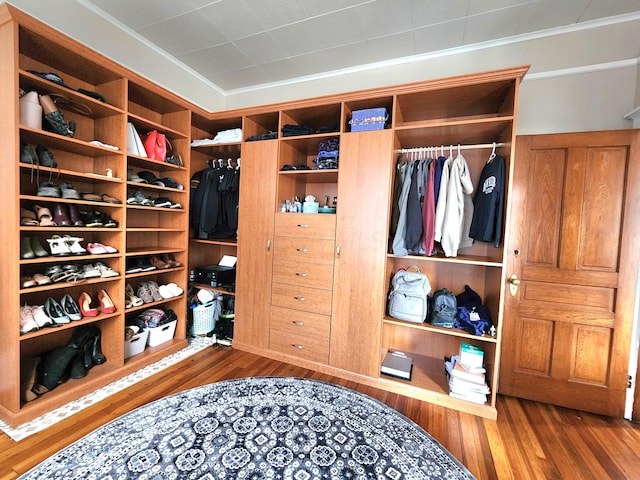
{"points": [[203, 319], [136, 344], [369, 119], [161, 333]]}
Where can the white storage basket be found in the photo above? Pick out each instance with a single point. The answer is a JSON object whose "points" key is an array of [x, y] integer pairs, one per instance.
{"points": [[203, 319]]}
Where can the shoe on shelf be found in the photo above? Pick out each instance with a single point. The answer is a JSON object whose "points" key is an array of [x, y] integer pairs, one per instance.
{"points": [[41, 317], [165, 292], [70, 307], [133, 266], [41, 279], [28, 282], [105, 270], [49, 189], [106, 304], [44, 216], [27, 322], [155, 292], [161, 202], [90, 219], [106, 220], [58, 246], [28, 154], [170, 259], [109, 199], [60, 215], [90, 271], [28, 218], [145, 293], [55, 312], [145, 265], [158, 263], [131, 297], [74, 216], [46, 156], [55, 119], [87, 307], [68, 191], [175, 289], [37, 247], [74, 246], [25, 248]]}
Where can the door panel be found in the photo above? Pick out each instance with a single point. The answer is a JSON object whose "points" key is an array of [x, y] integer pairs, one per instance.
{"points": [[567, 329]]}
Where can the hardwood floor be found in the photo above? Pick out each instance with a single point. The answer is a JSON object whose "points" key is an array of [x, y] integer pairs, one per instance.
{"points": [[528, 441]]}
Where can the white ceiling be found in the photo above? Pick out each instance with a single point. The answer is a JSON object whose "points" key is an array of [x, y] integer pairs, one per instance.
{"points": [[240, 44]]}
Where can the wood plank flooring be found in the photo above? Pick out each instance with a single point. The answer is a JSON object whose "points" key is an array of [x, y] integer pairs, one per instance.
{"points": [[528, 441]]}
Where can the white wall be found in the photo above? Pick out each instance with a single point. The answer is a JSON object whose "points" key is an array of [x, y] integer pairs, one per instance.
{"points": [[579, 80]]}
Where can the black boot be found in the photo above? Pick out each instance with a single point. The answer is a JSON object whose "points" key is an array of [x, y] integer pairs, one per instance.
{"points": [[53, 368], [82, 335], [96, 353], [87, 354], [77, 368]]}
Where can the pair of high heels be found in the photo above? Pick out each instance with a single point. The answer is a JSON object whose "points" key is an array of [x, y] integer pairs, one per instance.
{"points": [[89, 308], [66, 245]]}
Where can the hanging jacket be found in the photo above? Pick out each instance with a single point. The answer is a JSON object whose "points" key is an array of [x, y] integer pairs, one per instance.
{"points": [[459, 208], [486, 225]]}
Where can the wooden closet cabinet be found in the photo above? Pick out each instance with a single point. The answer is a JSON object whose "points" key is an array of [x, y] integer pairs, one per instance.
{"points": [[341, 327], [96, 163]]}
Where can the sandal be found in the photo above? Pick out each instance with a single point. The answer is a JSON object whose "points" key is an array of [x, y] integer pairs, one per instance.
{"points": [[74, 245], [45, 217], [28, 218], [58, 246]]}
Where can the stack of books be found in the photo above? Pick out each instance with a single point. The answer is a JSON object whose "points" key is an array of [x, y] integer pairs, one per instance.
{"points": [[467, 376]]}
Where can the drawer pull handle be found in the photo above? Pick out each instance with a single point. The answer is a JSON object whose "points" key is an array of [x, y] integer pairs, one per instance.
{"points": [[298, 323], [299, 298], [303, 225], [296, 346], [301, 274], [303, 250]]}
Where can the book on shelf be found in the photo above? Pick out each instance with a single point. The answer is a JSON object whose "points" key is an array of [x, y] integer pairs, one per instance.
{"points": [[471, 356], [397, 364], [455, 369], [464, 383]]}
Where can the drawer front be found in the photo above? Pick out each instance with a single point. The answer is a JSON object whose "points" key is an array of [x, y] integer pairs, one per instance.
{"points": [[301, 334], [298, 323], [301, 298], [314, 275], [306, 225], [309, 250]]}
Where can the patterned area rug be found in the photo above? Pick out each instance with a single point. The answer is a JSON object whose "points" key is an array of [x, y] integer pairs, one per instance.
{"points": [[254, 428]]}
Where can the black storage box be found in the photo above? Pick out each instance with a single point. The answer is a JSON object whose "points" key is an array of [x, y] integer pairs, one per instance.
{"points": [[216, 275]]}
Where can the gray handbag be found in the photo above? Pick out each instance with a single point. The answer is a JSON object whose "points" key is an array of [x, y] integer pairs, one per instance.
{"points": [[408, 295]]}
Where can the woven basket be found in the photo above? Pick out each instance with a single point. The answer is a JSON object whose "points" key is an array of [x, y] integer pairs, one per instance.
{"points": [[203, 321]]}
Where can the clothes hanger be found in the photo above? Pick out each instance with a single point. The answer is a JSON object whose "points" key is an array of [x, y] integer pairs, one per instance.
{"points": [[493, 153]]}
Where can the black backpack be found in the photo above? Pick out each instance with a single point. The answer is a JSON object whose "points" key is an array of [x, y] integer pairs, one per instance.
{"points": [[444, 309]]}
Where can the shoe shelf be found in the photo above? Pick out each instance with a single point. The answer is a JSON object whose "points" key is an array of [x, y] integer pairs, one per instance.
{"points": [[79, 102], [68, 326], [71, 145]]}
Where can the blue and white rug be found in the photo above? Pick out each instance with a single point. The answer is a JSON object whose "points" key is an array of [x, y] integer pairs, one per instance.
{"points": [[255, 428]]}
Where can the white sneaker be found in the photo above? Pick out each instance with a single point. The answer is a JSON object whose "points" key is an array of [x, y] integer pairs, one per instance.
{"points": [[165, 292], [175, 289], [27, 322]]}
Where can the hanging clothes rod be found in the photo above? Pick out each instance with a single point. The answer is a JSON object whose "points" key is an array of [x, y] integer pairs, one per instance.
{"points": [[460, 147]]}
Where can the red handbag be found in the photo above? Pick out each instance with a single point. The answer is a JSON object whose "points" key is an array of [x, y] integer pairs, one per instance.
{"points": [[155, 144]]}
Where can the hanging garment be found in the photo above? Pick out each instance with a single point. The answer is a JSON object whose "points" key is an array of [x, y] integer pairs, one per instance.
{"points": [[437, 177], [415, 199], [442, 199], [486, 225], [399, 247], [395, 208], [459, 208], [429, 210]]}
